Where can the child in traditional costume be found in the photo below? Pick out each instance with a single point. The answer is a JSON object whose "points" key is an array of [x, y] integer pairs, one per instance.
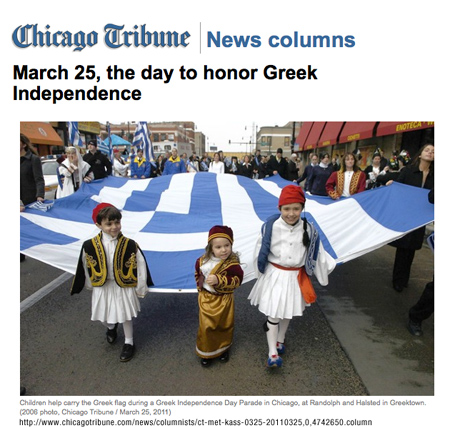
{"points": [[115, 269], [217, 273], [287, 253]]}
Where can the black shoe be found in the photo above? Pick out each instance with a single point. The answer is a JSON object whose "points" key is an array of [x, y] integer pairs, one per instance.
{"points": [[224, 357], [415, 328], [111, 335], [23, 391], [22, 257], [127, 353], [205, 362]]}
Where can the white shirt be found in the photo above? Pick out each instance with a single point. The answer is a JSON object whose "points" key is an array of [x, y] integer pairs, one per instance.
{"points": [[217, 167], [347, 179]]}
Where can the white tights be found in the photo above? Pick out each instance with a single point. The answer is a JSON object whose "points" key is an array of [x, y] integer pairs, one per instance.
{"points": [[127, 330], [276, 333]]}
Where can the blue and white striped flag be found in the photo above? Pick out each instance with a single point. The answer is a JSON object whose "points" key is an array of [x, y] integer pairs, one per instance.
{"points": [[74, 135], [170, 217], [106, 147], [142, 140]]}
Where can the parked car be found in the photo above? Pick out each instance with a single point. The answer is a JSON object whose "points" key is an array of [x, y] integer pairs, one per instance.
{"points": [[49, 167]]}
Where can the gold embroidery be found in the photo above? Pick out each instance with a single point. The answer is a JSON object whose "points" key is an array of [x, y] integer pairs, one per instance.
{"points": [[97, 276], [128, 278]]}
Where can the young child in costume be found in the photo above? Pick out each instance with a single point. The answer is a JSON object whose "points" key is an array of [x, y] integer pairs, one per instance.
{"points": [[287, 253], [115, 269], [217, 273]]}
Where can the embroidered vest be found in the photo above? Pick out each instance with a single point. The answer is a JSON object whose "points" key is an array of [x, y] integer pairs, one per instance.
{"points": [[124, 264]]}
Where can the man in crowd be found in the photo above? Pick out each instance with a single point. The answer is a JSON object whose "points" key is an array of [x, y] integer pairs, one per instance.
{"points": [[174, 165], [100, 164], [278, 165]]}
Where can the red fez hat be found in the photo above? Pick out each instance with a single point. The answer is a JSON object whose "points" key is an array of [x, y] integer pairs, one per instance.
{"points": [[98, 208], [291, 194], [221, 232]]}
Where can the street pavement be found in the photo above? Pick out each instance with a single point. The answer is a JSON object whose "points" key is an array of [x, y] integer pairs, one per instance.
{"points": [[352, 342]]}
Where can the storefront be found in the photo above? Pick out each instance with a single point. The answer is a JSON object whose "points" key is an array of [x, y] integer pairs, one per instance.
{"points": [[43, 137], [338, 138]]}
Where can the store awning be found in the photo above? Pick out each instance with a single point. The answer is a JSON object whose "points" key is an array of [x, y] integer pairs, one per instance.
{"points": [[302, 136], [389, 128], [41, 133], [314, 135], [356, 131], [330, 134]]}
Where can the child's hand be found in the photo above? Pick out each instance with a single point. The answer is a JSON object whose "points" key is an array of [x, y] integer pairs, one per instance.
{"points": [[212, 280]]}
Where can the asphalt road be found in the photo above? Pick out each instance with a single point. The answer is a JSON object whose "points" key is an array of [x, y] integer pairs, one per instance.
{"points": [[352, 342]]}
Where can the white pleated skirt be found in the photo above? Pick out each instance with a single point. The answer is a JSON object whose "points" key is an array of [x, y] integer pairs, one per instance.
{"points": [[277, 293], [114, 304]]}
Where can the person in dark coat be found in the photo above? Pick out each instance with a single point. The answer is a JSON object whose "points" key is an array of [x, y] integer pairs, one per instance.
{"points": [[419, 174], [320, 175], [278, 165], [292, 168], [256, 162], [307, 172], [262, 169], [424, 308], [32, 184], [100, 164], [246, 168]]}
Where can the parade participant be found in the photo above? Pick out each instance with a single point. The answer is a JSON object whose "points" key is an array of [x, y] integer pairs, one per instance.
{"points": [[204, 164], [424, 308], [348, 181], [120, 168], [307, 172], [246, 168], [374, 171], [293, 168], [192, 164], [278, 165], [256, 162], [73, 172], [319, 176], [100, 164], [32, 184], [217, 273], [140, 167], [288, 252], [217, 166], [114, 268], [174, 165], [419, 174]]}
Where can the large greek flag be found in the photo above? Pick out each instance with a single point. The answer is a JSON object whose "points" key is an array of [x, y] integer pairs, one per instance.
{"points": [[170, 217]]}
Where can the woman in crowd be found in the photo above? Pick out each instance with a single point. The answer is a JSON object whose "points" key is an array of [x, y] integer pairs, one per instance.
{"points": [[246, 167], [348, 181], [319, 176], [373, 171], [120, 168], [73, 171], [217, 166], [419, 174]]}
